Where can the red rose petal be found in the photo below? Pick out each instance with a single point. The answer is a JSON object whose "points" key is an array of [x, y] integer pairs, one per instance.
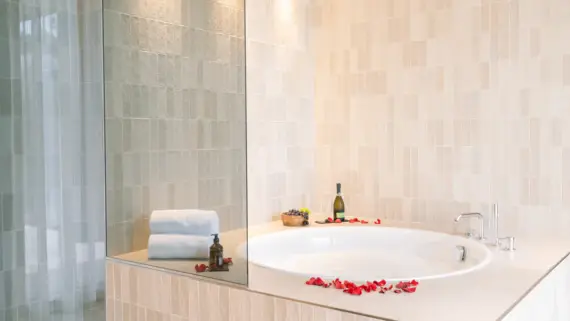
{"points": [[200, 268], [414, 283], [365, 288], [355, 291], [311, 281], [364, 222], [330, 220], [409, 290], [338, 220], [398, 291], [228, 260]]}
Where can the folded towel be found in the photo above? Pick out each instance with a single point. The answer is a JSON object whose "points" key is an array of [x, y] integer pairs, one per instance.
{"points": [[193, 222], [176, 246]]}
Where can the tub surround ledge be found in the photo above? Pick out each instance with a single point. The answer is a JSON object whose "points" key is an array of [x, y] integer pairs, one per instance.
{"points": [[497, 287]]}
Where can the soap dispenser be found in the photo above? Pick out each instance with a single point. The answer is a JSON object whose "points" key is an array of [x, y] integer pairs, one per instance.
{"points": [[217, 256]]}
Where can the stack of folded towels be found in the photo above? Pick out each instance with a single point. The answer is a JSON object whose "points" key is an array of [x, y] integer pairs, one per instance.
{"points": [[182, 234]]}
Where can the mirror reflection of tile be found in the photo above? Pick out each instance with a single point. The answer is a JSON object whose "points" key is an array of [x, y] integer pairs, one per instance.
{"points": [[175, 128]]}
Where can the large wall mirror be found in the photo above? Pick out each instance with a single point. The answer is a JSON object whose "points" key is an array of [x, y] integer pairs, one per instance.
{"points": [[175, 133]]}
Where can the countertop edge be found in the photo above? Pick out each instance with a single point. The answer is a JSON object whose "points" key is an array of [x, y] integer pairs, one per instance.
{"points": [[529, 290]]}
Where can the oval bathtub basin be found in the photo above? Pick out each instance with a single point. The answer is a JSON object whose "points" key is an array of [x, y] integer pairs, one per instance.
{"points": [[366, 253]]}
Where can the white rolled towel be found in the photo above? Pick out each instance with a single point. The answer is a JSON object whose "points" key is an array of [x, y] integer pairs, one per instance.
{"points": [[191, 221], [177, 246]]}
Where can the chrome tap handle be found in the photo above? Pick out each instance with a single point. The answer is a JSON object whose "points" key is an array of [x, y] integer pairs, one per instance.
{"points": [[496, 222], [509, 242]]}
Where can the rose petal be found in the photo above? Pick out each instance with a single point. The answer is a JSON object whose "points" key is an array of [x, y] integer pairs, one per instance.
{"points": [[200, 268], [409, 290]]}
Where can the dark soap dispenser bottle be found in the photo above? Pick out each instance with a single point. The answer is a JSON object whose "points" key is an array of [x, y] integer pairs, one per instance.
{"points": [[216, 253]]}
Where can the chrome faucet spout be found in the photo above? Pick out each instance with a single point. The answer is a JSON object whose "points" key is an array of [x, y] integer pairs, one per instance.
{"points": [[460, 216], [480, 217]]}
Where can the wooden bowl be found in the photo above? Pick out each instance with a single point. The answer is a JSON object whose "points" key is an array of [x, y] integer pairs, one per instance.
{"points": [[290, 220]]}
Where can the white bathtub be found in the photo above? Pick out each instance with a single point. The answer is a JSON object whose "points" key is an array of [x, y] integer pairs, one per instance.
{"points": [[365, 253]]}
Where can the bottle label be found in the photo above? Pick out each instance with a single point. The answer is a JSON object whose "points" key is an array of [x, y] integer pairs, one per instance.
{"points": [[340, 215]]}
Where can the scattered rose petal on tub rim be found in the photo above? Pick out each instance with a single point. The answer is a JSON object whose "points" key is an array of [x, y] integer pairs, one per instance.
{"points": [[200, 268], [375, 286]]}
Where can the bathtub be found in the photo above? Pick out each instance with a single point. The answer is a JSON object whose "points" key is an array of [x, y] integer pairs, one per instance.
{"points": [[365, 253]]}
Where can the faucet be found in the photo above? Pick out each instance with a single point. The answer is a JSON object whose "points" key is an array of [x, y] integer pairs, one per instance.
{"points": [[481, 222], [496, 220]]}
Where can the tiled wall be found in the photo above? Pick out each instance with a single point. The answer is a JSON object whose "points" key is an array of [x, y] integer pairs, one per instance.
{"points": [[280, 112], [132, 295], [52, 233], [425, 109], [175, 113]]}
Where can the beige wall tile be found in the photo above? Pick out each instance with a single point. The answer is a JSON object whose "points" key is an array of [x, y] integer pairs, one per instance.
{"points": [[141, 313], [261, 307], [109, 282], [117, 283], [239, 307], [118, 309], [194, 304], [281, 130], [126, 312], [465, 110], [125, 284], [306, 312], [110, 308]]}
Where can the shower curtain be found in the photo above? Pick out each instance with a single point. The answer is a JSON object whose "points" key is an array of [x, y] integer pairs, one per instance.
{"points": [[52, 194]]}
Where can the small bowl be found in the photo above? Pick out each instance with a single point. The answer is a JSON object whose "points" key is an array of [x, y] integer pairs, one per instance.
{"points": [[291, 220]]}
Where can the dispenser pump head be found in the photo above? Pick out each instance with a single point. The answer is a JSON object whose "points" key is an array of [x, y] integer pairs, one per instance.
{"points": [[216, 238]]}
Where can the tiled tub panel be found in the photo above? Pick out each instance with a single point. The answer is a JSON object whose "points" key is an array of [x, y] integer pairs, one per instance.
{"points": [[141, 294]]}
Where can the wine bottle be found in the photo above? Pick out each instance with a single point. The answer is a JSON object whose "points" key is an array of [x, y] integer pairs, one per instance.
{"points": [[338, 206]]}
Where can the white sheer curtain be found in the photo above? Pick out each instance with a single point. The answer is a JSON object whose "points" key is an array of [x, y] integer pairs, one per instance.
{"points": [[57, 252]]}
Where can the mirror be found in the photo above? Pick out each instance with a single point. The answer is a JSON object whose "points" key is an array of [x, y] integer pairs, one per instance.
{"points": [[175, 133]]}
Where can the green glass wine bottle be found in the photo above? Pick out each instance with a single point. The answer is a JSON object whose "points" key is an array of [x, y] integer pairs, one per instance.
{"points": [[338, 206]]}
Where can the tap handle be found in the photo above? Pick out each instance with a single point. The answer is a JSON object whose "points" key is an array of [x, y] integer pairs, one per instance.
{"points": [[509, 243]]}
